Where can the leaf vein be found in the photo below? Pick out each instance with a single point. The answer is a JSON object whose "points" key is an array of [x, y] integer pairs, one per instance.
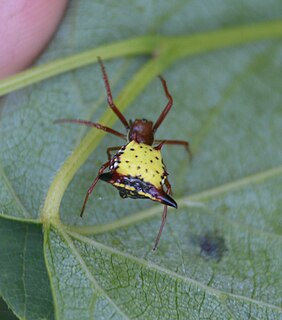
{"points": [[193, 200], [88, 273], [12, 192], [172, 274]]}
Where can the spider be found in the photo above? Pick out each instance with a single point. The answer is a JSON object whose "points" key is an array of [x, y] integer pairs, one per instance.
{"points": [[137, 169]]}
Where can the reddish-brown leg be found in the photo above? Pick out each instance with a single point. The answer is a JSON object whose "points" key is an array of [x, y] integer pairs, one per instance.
{"points": [[112, 149], [93, 124], [167, 107], [183, 143], [163, 218], [104, 166], [110, 97], [160, 145]]}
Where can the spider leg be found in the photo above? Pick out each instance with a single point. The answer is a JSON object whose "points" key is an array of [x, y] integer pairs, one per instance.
{"points": [[92, 124], [110, 97], [183, 143], [104, 166], [167, 107], [112, 149], [163, 217], [160, 145]]}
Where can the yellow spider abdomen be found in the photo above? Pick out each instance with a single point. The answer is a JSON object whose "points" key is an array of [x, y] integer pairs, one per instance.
{"points": [[142, 161]]}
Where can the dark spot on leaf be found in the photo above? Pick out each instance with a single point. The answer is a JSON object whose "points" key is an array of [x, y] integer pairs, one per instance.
{"points": [[131, 149], [138, 168], [136, 156], [151, 161], [157, 158], [157, 172], [212, 246], [126, 161]]}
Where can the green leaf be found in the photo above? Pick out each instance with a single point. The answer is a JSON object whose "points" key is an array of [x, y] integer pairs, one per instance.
{"points": [[24, 281], [5, 313], [220, 253]]}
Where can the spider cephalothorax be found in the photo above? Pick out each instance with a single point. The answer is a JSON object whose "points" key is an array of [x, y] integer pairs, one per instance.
{"points": [[137, 169], [141, 130]]}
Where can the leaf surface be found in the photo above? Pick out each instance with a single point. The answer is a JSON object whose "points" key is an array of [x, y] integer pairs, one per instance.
{"points": [[220, 253]]}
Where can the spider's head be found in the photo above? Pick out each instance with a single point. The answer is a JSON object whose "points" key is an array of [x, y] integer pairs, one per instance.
{"points": [[141, 131]]}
